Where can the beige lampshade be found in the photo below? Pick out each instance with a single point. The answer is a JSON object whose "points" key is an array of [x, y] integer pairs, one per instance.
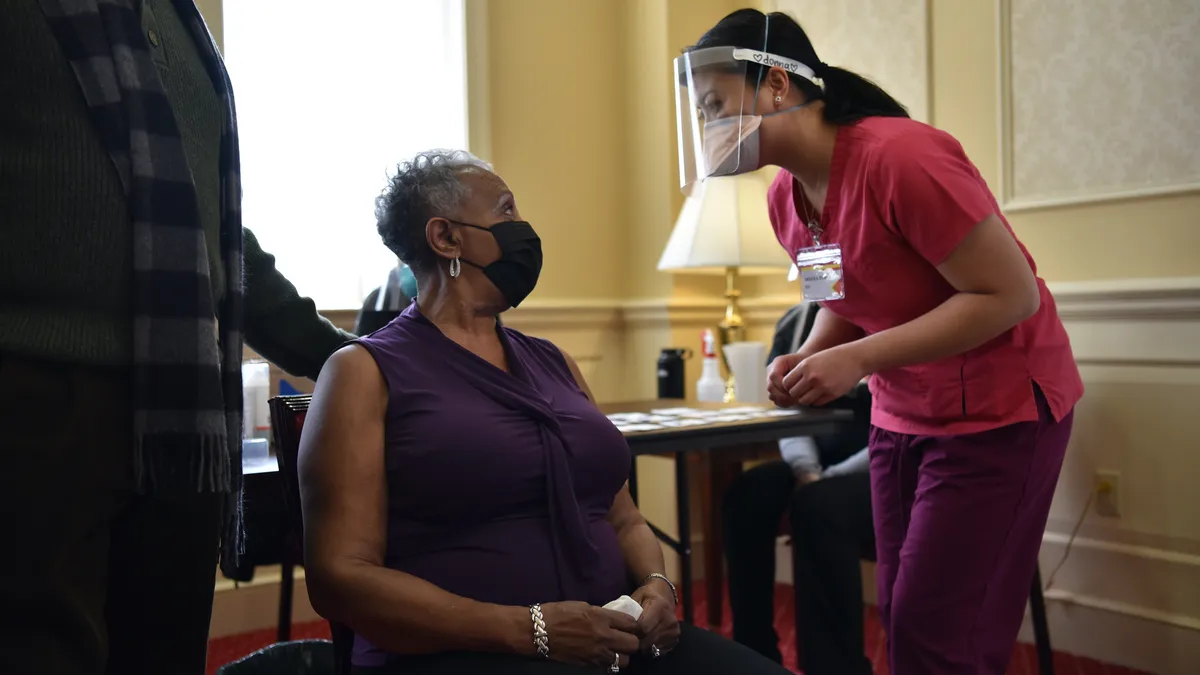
{"points": [[724, 223]]}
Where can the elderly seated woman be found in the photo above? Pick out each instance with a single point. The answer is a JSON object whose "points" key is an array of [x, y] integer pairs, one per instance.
{"points": [[465, 506]]}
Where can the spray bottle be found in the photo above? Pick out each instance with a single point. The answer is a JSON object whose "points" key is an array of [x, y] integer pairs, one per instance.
{"points": [[711, 387]]}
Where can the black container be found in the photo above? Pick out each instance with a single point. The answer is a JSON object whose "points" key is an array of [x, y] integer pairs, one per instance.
{"points": [[671, 372]]}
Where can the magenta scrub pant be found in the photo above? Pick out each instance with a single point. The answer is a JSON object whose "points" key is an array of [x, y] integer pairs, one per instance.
{"points": [[958, 524]]}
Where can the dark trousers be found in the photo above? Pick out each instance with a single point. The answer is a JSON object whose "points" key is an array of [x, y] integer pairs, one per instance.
{"points": [[831, 532], [699, 653], [95, 578]]}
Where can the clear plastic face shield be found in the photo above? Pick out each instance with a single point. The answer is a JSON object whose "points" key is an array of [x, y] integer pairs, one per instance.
{"points": [[717, 116]]}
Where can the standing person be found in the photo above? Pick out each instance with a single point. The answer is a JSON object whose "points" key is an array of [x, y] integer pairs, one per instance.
{"points": [[123, 305], [822, 486], [895, 231]]}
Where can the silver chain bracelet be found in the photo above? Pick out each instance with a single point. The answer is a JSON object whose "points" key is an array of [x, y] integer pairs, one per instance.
{"points": [[656, 575], [541, 639]]}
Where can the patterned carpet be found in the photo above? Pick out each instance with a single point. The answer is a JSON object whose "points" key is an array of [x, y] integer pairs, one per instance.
{"points": [[1024, 662]]}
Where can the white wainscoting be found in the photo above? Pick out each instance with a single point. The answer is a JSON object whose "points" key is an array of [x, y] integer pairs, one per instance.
{"points": [[1129, 592]]}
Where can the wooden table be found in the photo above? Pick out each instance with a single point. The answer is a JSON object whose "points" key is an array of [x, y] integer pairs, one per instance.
{"points": [[729, 440], [735, 440]]}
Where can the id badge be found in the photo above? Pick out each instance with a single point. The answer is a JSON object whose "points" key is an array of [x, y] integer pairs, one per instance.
{"points": [[821, 275]]}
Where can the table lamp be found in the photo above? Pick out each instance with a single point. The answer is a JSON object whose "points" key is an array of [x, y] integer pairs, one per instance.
{"points": [[723, 228]]}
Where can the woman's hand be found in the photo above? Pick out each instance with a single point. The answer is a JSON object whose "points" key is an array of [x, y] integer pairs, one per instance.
{"points": [[805, 477], [657, 625], [586, 635], [824, 376], [776, 372]]}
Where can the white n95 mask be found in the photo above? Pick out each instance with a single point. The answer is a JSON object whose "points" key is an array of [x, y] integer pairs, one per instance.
{"points": [[731, 145], [731, 148]]}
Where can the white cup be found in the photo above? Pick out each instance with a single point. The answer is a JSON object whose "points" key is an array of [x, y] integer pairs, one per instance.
{"points": [[748, 360]]}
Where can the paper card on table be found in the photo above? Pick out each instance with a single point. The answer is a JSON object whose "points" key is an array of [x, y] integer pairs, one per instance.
{"points": [[626, 428], [684, 422], [623, 418], [679, 412], [730, 418]]}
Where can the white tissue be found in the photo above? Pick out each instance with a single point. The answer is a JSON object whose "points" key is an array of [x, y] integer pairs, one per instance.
{"points": [[626, 605]]}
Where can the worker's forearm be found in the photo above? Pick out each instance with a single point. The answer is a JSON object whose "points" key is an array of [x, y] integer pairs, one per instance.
{"points": [[961, 323], [829, 330]]}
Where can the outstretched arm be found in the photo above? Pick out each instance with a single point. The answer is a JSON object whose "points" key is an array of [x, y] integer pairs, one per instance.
{"points": [[281, 325]]}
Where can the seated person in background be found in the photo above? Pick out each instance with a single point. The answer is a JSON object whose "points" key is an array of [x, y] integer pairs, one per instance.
{"points": [[823, 485], [386, 302], [465, 506]]}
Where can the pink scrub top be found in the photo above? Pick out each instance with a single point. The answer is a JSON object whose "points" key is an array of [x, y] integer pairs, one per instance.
{"points": [[901, 197]]}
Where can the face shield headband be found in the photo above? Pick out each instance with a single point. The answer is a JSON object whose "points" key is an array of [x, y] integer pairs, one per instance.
{"points": [[725, 143]]}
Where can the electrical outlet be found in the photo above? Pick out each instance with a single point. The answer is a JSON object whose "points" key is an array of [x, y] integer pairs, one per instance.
{"points": [[1108, 492]]}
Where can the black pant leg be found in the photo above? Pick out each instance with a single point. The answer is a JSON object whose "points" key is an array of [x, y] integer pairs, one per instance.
{"points": [[65, 443], [831, 529], [470, 663], [753, 509], [701, 652], [162, 565]]}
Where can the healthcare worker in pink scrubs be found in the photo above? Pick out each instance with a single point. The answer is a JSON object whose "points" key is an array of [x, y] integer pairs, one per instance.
{"points": [[931, 294]]}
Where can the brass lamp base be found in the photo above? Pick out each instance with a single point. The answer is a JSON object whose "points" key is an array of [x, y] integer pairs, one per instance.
{"points": [[731, 328]]}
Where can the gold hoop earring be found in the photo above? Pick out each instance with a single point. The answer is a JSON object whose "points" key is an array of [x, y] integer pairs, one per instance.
{"points": [[455, 267]]}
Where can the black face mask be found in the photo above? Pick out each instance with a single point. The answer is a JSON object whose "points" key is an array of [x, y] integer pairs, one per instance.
{"points": [[516, 272]]}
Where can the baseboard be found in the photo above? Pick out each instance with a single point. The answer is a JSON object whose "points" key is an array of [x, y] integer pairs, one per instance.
{"points": [[1107, 633], [1132, 604]]}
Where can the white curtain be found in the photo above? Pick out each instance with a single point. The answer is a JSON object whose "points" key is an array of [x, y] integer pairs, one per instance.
{"points": [[331, 96]]}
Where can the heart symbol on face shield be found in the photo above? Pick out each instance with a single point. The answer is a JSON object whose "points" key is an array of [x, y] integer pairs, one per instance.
{"points": [[758, 58]]}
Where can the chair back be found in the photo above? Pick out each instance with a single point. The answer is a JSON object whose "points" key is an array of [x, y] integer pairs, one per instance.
{"points": [[287, 423], [302, 657]]}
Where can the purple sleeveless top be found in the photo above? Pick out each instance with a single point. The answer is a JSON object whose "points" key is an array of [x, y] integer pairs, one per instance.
{"points": [[499, 484]]}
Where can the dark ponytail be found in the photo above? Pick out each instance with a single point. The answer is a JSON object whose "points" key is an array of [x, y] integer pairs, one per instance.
{"points": [[848, 96]]}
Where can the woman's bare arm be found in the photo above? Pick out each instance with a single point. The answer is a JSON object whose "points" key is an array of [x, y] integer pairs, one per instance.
{"points": [[996, 291], [642, 552], [344, 496], [639, 546], [829, 330]]}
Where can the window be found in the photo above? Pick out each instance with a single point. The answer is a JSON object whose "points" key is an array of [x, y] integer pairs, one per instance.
{"points": [[330, 98]]}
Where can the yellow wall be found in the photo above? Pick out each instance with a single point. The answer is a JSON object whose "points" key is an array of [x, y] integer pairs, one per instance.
{"points": [[1149, 237], [556, 101]]}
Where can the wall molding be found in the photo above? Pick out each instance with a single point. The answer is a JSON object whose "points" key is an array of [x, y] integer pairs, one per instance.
{"points": [[1107, 592], [1129, 299], [1130, 325], [1176, 298], [1012, 203]]}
